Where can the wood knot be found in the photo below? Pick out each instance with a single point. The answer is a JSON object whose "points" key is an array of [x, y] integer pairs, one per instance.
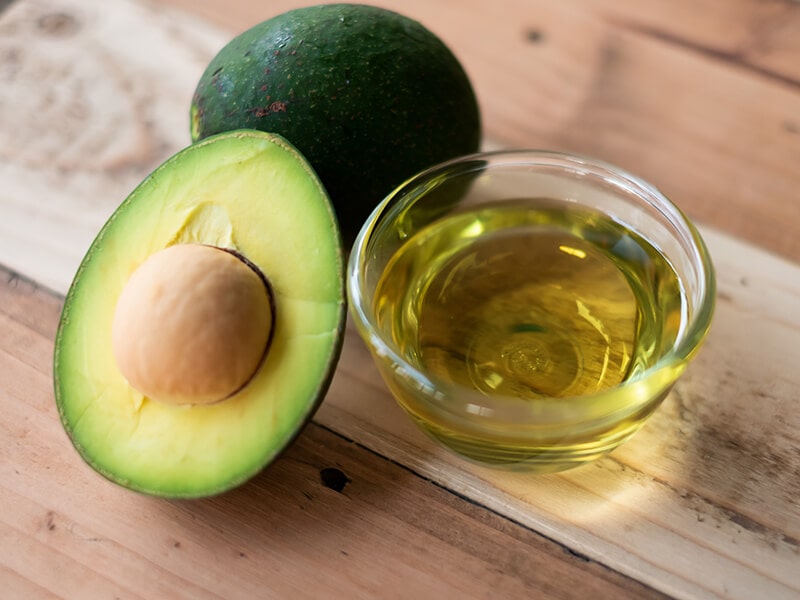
{"points": [[333, 478], [533, 36]]}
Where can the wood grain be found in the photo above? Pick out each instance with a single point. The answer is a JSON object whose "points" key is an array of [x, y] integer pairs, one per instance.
{"points": [[65, 532], [704, 502]]}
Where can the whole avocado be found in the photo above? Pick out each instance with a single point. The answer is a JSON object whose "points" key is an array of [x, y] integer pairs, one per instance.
{"points": [[368, 96]]}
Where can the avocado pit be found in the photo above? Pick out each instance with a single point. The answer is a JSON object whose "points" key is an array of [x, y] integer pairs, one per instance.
{"points": [[192, 325]]}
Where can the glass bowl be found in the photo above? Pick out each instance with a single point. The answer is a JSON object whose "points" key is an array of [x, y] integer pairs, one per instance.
{"points": [[530, 309]]}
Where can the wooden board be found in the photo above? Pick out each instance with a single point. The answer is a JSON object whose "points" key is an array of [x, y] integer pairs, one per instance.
{"points": [[704, 502]]}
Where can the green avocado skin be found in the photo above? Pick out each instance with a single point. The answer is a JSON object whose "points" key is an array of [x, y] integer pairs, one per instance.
{"points": [[368, 96]]}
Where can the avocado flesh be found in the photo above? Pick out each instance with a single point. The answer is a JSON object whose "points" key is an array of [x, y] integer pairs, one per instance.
{"points": [[370, 97], [245, 191]]}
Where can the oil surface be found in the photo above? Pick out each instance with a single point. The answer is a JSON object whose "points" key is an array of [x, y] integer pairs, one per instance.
{"points": [[529, 302]]}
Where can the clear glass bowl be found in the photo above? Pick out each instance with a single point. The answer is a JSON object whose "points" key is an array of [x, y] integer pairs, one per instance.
{"points": [[538, 432]]}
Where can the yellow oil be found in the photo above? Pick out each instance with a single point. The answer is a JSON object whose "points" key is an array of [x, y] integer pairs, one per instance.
{"points": [[528, 299]]}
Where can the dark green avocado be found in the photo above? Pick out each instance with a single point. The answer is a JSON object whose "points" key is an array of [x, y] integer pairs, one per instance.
{"points": [[368, 96]]}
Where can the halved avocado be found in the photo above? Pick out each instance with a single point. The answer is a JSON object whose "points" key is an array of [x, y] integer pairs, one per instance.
{"points": [[252, 195]]}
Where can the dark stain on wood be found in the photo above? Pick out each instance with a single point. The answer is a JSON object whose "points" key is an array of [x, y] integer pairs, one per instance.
{"points": [[735, 467]]}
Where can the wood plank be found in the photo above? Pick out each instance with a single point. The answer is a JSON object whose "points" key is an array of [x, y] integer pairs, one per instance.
{"points": [[65, 532], [16, 586], [91, 100], [705, 500]]}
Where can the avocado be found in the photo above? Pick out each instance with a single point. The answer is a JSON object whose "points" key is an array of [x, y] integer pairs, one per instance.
{"points": [[203, 326], [368, 96]]}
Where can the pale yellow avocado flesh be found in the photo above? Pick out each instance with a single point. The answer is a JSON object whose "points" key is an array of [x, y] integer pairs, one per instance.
{"points": [[245, 191]]}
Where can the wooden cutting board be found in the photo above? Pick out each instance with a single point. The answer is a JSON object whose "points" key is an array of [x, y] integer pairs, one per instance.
{"points": [[703, 502]]}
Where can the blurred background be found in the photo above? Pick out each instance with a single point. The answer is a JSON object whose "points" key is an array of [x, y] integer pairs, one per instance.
{"points": [[698, 96]]}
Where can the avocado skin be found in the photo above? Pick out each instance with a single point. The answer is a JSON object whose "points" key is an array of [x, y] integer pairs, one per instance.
{"points": [[368, 96]]}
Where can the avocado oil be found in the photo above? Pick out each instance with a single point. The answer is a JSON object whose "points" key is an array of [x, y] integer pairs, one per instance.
{"points": [[527, 299]]}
